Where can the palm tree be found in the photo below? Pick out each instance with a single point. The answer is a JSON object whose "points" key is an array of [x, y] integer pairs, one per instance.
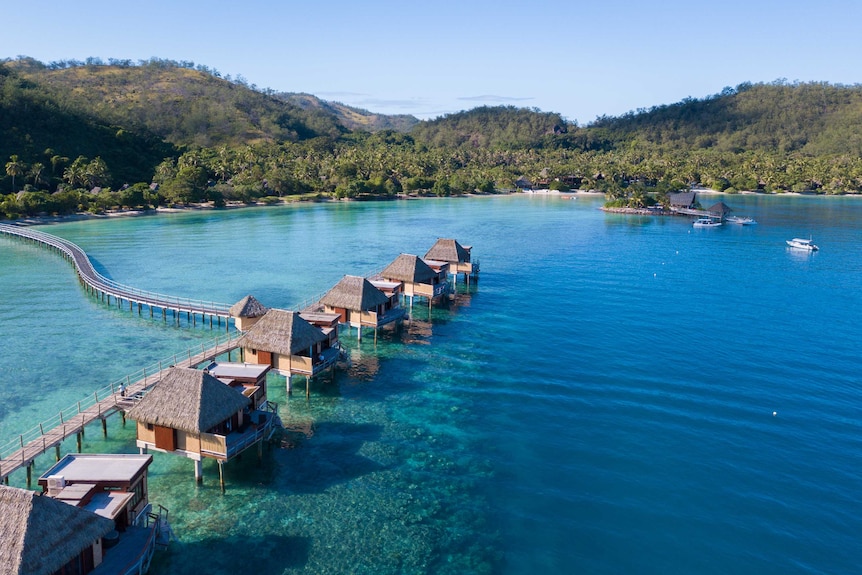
{"points": [[14, 168], [36, 173]]}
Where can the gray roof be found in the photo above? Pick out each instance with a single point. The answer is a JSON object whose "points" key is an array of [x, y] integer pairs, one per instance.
{"points": [[719, 208], [40, 534], [683, 199], [409, 268], [248, 307], [448, 250], [188, 399], [282, 332], [354, 293]]}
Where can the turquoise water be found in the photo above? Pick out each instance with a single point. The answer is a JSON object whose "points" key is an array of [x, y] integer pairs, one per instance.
{"points": [[601, 402]]}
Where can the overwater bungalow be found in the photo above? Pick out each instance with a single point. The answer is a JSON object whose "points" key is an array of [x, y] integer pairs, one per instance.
{"points": [[247, 378], [191, 413], [360, 304], [417, 277], [290, 344], [246, 312], [44, 536], [113, 486], [458, 257], [719, 210]]}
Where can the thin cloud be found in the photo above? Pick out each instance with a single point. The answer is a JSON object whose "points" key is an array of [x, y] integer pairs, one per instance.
{"points": [[495, 98]]}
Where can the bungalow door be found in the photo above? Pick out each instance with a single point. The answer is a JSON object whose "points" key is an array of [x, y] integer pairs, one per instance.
{"points": [[166, 438], [264, 357]]}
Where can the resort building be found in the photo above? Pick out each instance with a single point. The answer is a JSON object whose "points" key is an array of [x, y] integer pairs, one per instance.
{"points": [[43, 536], [191, 413], [112, 486], [247, 378], [246, 312], [417, 277], [359, 303], [291, 345], [457, 256]]}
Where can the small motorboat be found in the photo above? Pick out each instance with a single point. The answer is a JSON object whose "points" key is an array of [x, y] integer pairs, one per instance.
{"points": [[741, 220], [802, 244], [706, 223]]}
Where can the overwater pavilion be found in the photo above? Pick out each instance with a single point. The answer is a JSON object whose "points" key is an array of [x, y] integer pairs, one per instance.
{"points": [[246, 312], [191, 413], [44, 536], [291, 345], [360, 304], [458, 257], [417, 277]]}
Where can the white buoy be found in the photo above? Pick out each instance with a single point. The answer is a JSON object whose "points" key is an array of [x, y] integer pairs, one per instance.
{"points": [[774, 413]]}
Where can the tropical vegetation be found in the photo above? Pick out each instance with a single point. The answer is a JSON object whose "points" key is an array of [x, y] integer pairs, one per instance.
{"points": [[95, 136]]}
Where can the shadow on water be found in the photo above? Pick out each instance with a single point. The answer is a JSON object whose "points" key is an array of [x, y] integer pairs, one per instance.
{"points": [[334, 460], [264, 555]]}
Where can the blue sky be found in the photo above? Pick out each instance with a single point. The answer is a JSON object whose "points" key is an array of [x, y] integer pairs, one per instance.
{"points": [[579, 59]]}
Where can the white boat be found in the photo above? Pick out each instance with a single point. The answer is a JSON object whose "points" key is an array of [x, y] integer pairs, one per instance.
{"points": [[802, 244], [742, 220], [706, 223]]}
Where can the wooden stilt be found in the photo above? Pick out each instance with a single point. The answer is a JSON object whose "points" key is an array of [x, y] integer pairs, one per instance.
{"points": [[29, 474], [259, 451], [221, 475], [57, 448], [123, 415], [78, 435], [199, 471], [105, 427], [307, 387], [289, 390]]}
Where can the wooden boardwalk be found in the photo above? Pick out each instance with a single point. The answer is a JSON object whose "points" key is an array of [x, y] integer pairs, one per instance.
{"points": [[106, 288], [116, 397]]}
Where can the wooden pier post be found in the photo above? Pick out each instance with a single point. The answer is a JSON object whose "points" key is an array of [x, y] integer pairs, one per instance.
{"points": [[289, 391], [79, 437], [199, 471], [259, 452], [221, 475], [57, 449], [29, 474], [104, 427], [307, 386]]}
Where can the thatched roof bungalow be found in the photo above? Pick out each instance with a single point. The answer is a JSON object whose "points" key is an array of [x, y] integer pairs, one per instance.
{"points": [[417, 277], [290, 344], [360, 304], [719, 210], [449, 250], [191, 413], [246, 312], [43, 536]]}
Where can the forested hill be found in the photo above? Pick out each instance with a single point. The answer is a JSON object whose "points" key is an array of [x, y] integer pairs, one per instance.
{"points": [[182, 105], [351, 117], [809, 118], [490, 127]]}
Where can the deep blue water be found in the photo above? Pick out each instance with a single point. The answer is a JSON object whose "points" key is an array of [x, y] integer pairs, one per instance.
{"points": [[617, 394]]}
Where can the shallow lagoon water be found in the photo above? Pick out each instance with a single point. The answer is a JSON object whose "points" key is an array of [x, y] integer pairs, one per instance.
{"points": [[600, 402]]}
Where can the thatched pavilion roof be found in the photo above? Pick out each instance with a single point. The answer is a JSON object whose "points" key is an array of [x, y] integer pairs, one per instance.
{"points": [[354, 293], [409, 268], [448, 250], [190, 400], [282, 332], [38, 534], [248, 307], [719, 208]]}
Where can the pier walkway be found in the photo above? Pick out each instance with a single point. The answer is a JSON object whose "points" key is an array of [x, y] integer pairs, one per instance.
{"points": [[119, 396], [105, 288]]}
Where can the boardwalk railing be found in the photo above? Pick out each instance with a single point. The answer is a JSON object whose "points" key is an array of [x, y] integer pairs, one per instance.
{"points": [[103, 402], [92, 278]]}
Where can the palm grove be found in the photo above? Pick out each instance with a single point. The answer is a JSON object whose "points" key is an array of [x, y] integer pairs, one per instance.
{"points": [[94, 136]]}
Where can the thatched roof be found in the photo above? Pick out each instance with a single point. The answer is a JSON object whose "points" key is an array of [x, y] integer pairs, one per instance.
{"points": [[683, 199], [188, 399], [354, 293], [448, 250], [248, 307], [40, 534], [282, 332], [719, 209], [409, 268]]}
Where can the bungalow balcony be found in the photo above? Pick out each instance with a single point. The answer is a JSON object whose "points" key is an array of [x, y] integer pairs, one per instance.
{"points": [[305, 365], [260, 426], [375, 319]]}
